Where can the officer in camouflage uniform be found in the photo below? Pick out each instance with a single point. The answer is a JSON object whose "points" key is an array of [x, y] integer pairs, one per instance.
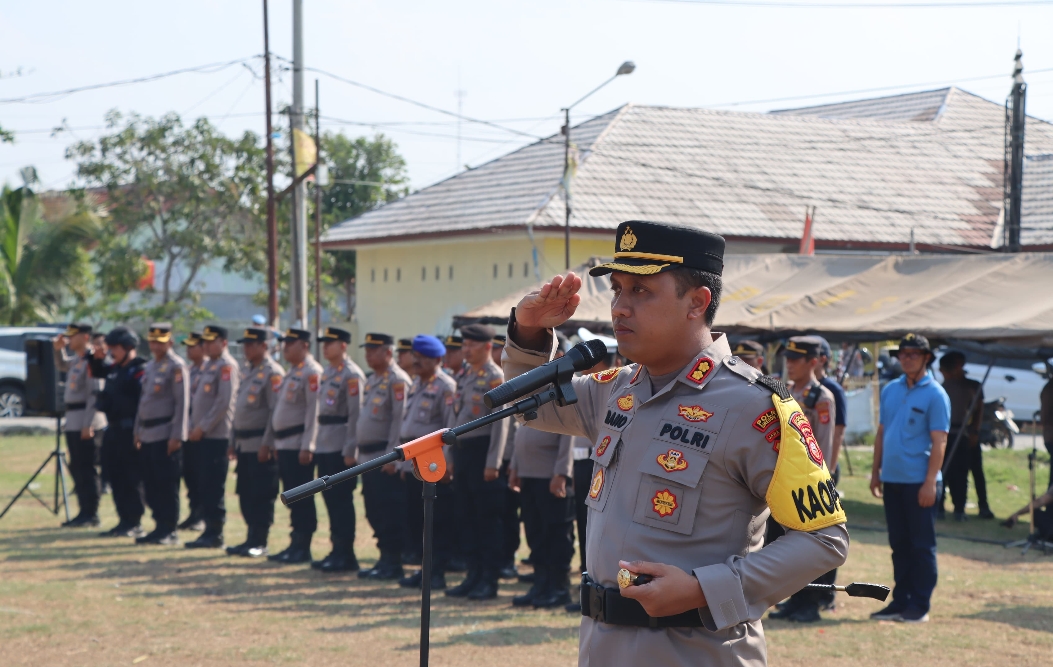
{"points": [[479, 491], [197, 360], [685, 472], [257, 471], [213, 416], [383, 404], [291, 436], [340, 399], [83, 422], [160, 431]]}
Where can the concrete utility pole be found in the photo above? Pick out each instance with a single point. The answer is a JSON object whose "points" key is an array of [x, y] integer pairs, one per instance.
{"points": [[272, 222], [298, 292], [1014, 156]]}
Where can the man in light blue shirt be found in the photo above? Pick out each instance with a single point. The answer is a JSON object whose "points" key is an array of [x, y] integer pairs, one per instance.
{"points": [[908, 453]]}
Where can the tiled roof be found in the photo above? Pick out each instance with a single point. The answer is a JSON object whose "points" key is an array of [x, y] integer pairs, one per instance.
{"points": [[744, 175], [924, 106], [1037, 206]]}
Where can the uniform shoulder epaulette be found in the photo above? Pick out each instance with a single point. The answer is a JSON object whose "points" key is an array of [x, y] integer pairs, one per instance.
{"points": [[775, 384]]}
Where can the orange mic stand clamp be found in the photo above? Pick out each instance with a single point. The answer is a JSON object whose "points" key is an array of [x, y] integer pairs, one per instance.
{"points": [[429, 464]]}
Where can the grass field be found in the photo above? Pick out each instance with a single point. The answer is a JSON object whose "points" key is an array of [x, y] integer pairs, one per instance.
{"points": [[71, 598]]}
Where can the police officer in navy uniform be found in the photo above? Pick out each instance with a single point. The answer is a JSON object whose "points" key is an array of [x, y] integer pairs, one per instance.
{"points": [[196, 360], [119, 400]]}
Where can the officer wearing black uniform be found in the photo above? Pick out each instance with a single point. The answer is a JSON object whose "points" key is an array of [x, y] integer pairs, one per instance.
{"points": [[197, 360], [119, 400]]}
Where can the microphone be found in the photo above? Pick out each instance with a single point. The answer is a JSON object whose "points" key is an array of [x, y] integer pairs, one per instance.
{"points": [[582, 356]]}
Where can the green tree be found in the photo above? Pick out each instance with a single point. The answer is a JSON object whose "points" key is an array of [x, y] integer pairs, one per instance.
{"points": [[184, 197]]}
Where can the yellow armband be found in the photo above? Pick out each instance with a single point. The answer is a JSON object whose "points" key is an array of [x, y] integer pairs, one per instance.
{"points": [[801, 494]]}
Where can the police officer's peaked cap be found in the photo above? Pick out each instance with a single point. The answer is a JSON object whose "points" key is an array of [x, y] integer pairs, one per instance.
{"points": [[255, 335], [824, 347], [124, 337], [333, 333], [193, 338], [429, 346], [912, 341], [213, 332], [159, 332], [404, 345], [798, 347], [748, 348], [76, 328], [646, 248], [483, 333], [453, 342], [378, 339], [297, 334], [499, 340]]}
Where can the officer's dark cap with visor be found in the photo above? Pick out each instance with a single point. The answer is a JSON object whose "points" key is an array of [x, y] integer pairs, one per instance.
{"points": [[159, 332], [255, 335], [748, 348], [297, 334], [482, 333], [193, 338], [76, 328], [801, 347], [213, 332], [453, 342], [378, 339], [334, 333], [646, 248], [404, 345]]}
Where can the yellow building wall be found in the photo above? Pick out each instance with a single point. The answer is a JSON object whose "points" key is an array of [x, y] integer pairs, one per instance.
{"points": [[398, 291]]}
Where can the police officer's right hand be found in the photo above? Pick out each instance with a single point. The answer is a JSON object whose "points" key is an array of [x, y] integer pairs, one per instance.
{"points": [[513, 480], [550, 306], [306, 456], [59, 342], [231, 454], [350, 461], [264, 454]]}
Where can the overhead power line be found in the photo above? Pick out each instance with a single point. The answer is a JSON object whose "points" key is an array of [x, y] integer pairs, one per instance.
{"points": [[798, 4], [47, 97]]}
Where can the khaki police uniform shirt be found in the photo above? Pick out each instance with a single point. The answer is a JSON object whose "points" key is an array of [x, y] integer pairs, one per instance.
{"points": [[215, 396], [383, 404], [341, 396], [297, 405], [542, 454], [822, 417], [257, 397], [680, 477], [468, 406], [81, 387], [195, 375], [166, 393], [428, 409]]}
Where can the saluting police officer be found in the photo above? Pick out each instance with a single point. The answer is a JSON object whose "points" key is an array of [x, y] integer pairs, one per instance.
{"points": [[340, 402], [291, 436], [428, 409], [119, 400], [83, 421], [161, 429], [686, 408], [196, 360], [478, 488], [213, 415], [257, 471], [384, 403], [802, 360]]}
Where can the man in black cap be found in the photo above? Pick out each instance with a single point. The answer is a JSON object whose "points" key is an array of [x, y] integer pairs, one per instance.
{"points": [[340, 402], [196, 361], [404, 355], [908, 452], [119, 400], [478, 488], [752, 353], [257, 485], [161, 428], [383, 405], [453, 362], [83, 422], [968, 457], [686, 408], [213, 417]]}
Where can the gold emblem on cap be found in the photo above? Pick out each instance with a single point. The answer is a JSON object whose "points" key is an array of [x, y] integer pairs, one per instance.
{"points": [[628, 241]]}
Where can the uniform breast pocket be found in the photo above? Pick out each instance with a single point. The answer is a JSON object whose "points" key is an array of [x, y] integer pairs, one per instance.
{"points": [[917, 423], [670, 487], [293, 393], [378, 407]]}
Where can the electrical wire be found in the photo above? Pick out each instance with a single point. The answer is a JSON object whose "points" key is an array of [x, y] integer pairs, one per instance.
{"points": [[954, 4]]}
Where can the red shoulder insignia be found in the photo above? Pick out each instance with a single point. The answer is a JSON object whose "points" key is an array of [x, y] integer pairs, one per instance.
{"points": [[225, 376], [276, 382], [764, 420], [312, 381], [701, 370], [399, 389], [352, 387]]}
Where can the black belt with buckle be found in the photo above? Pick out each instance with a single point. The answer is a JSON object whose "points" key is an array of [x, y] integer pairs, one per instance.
{"points": [[244, 434], [288, 432], [607, 605], [372, 447], [331, 419], [76, 406], [157, 421]]}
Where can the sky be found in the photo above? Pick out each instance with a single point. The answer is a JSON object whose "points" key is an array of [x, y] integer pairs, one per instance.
{"points": [[517, 64]]}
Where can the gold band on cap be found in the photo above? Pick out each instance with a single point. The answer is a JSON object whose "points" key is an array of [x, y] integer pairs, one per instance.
{"points": [[672, 259], [792, 347], [250, 334], [159, 336], [645, 270]]}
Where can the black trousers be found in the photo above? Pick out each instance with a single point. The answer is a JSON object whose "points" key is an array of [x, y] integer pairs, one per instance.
{"points": [[966, 459], [445, 521], [120, 465], [83, 457], [582, 479], [302, 514], [509, 521], [385, 497], [1049, 448], [339, 502], [549, 523], [160, 472], [190, 475], [212, 466], [257, 489], [480, 507]]}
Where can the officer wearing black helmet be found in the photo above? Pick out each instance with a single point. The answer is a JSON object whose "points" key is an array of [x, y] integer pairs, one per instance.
{"points": [[120, 401]]}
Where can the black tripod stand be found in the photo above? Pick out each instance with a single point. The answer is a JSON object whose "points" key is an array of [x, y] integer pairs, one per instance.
{"points": [[429, 466], [60, 476], [1034, 538]]}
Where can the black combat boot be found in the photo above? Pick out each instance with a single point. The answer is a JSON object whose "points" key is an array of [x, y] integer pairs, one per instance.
{"points": [[486, 589], [557, 593], [163, 535], [298, 551], [212, 538], [538, 588], [462, 589]]}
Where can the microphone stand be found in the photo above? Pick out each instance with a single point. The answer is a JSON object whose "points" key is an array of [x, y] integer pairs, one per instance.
{"points": [[429, 466]]}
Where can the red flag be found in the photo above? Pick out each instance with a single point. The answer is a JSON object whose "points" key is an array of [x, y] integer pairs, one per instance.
{"points": [[807, 240], [146, 281]]}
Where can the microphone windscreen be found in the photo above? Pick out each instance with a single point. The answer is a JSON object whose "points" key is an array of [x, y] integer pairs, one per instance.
{"points": [[598, 350]]}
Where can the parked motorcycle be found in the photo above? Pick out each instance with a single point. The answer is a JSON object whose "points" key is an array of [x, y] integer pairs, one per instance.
{"points": [[998, 428]]}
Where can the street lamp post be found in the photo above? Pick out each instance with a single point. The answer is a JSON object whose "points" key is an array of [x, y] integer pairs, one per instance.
{"points": [[626, 67]]}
